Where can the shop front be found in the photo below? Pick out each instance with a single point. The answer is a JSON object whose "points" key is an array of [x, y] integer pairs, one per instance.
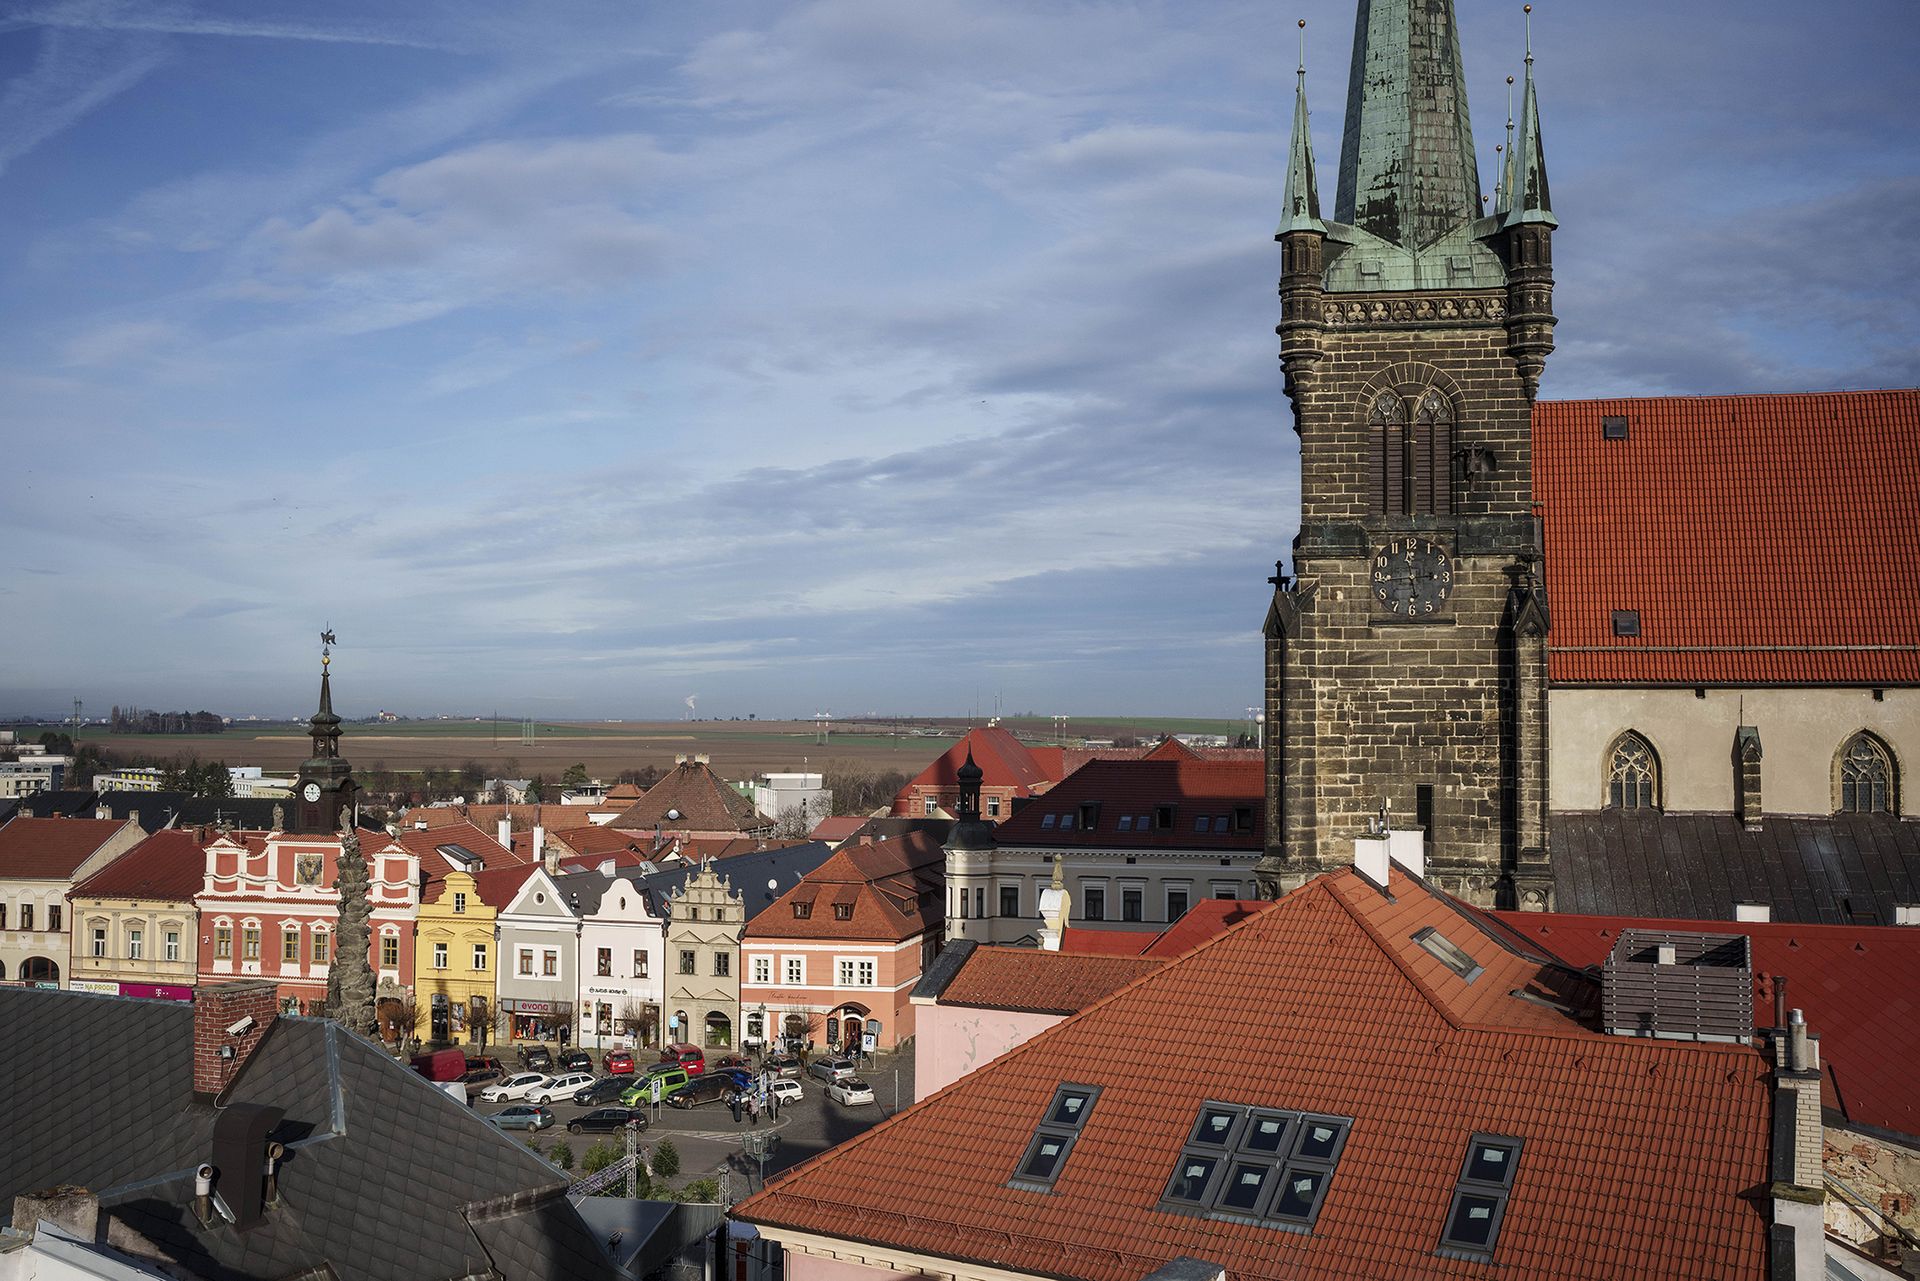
{"points": [[532, 1020]]}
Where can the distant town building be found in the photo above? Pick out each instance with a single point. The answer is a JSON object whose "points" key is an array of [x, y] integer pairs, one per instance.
{"points": [[41, 859]]}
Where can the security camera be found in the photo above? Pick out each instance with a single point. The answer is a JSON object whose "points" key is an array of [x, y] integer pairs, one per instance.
{"points": [[242, 1027]]}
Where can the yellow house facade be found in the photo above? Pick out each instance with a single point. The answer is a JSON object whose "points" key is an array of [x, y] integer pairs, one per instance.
{"points": [[454, 963]]}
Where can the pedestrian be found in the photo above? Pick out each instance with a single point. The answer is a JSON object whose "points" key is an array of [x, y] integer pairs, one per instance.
{"points": [[753, 1109], [773, 1106]]}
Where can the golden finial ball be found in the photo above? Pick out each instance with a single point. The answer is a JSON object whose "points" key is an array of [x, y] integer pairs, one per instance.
{"points": [[1303, 23], [1526, 8]]}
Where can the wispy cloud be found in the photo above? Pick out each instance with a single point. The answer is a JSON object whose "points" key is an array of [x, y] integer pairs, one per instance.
{"points": [[71, 77]]}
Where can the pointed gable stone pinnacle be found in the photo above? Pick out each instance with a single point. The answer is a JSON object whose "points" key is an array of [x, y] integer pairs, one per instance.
{"points": [[1526, 181], [1407, 168], [1303, 184]]}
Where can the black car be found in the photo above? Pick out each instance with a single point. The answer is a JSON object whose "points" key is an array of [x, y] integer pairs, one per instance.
{"points": [[605, 1090], [576, 1061], [714, 1087], [536, 1058], [607, 1120]]}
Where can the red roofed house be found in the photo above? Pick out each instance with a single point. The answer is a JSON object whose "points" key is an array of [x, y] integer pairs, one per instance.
{"points": [[838, 955], [1365, 1080], [135, 927], [1140, 840], [1860, 987], [692, 801], [1010, 770], [40, 860]]}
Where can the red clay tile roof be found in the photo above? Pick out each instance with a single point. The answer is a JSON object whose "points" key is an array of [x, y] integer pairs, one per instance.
{"points": [[1859, 986], [497, 885], [893, 887], [1203, 920], [1082, 941], [838, 827], [1221, 791], [704, 801], [170, 866], [592, 839], [426, 844], [1004, 761], [1041, 982], [48, 849], [1763, 539], [1640, 1156]]}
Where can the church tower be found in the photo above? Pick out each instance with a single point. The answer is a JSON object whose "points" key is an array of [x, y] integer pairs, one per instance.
{"points": [[325, 789], [1406, 651]]}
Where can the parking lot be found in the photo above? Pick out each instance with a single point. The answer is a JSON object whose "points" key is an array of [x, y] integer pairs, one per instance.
{"points": [[709, 1141]]}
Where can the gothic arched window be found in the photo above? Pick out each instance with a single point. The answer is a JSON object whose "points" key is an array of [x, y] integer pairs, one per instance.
{"points": [[1411, 442], [1866, 776], [1633, 774]]}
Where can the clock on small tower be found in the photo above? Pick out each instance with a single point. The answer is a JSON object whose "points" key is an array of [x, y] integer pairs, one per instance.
{"points": [[1412, 577]]}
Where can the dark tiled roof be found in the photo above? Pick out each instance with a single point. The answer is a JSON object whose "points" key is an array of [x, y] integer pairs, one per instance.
{"points": [[1859, 987], [1325, 1003], [169, 866], [65, 803], [1763, 539], [1134, 789], [385, 1178], [702, 799], [1846, 869], [748, 874], [49, 849]]}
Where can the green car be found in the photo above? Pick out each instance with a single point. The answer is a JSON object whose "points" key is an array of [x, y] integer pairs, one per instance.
{"points": [[671, 1076]]}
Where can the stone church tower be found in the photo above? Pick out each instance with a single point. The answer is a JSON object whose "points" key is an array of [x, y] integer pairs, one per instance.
{"points": [[1406, 653]]}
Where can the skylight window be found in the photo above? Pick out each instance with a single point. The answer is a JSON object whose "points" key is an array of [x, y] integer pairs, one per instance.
{"points": [[1047, 821], [1053, 1141], [1256, 1164], [1480, 1198], [1449, 954], [1066, 822], [1200, 823], [1126, 822]]}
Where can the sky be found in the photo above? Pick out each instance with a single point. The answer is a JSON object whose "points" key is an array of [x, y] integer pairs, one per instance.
{"points": [[574, 360]]}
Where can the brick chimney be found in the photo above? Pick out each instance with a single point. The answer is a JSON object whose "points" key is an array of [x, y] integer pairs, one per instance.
{"points": [[219, 1052]]}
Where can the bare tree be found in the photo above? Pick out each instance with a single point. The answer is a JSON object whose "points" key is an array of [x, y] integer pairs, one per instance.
{"points": [[564, 1025], [399, 1016], [638, 1018]]}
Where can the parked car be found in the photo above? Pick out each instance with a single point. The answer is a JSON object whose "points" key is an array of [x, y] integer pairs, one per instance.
{"points": [[784, 1065], [690, 1057], [522, 1116], [577, 1061], [517, 1086], [741, 1077], [850, 1090], [536, 1058], [729, 1061], [605, 1090], [608, 1120], [619, 1062], [831, 1069], [671, 1078], [714, 1087], [484, 1067], [786, 1091], [441, 1065], [560, 1087]]}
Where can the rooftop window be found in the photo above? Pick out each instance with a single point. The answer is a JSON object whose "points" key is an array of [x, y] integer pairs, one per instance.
{"points": [[1200, 823], [1613, 427], [1126, 822], [802, 910], [1053, 1140], [1256, 1164], [1047, 821], [1480, 1197], [1626, 622], [1448, 953]]}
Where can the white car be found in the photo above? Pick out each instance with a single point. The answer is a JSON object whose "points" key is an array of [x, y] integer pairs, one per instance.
{"points": [[561, 1088], [517, 1086], [850, 1089], [787, 1091]]}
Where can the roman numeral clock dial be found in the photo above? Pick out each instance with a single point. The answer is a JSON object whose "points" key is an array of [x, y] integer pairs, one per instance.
{"points": [[1412, 577]]}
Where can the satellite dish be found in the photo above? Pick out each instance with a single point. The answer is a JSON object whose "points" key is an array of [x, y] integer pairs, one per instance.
{"points": [[773, 883], [673, 814]]}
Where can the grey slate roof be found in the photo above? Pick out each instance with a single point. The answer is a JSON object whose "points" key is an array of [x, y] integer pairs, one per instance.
{"points": [[748, 873], [1846, 869], [952, 958], [65, 803], [385, 1178]]}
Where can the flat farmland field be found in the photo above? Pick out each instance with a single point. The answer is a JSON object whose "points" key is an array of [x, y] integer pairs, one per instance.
{"points": [[737, 749]]}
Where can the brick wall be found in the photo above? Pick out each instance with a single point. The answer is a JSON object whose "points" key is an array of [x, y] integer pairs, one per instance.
{"points": [[217, 1008]]}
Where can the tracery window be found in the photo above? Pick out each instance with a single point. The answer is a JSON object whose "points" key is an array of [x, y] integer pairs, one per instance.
{"points": [[1411, 441], [1866, 776], [1633, 774]]}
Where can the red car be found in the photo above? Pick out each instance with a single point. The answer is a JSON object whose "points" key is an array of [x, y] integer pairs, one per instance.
{"points": [[619, 1062], [729, 1061]]}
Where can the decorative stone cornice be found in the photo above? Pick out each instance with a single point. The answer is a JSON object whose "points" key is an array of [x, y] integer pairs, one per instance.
{"points": [[1413, 311]]}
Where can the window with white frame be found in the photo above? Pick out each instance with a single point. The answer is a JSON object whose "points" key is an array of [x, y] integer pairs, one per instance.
{"points": [[795, 969], [763, 969], [136, 944], [99, 940], [479, 956], [550, 962], [439, 956], [526, 962], [863, 973], [846, 972], [173, 945]]}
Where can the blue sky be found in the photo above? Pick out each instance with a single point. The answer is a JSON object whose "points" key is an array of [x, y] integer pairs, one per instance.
{"points": [[574, 358]]}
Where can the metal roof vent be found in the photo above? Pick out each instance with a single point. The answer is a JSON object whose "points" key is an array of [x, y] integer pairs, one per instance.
{"points": [[1680, 986]]}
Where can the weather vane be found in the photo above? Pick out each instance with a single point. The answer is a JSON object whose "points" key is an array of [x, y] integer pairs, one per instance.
{"points": [[327, 642]]}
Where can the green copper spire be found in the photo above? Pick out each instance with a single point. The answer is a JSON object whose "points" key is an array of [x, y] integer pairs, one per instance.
{"points": [[1407, 169], [1526, 179], [1303, 184]]}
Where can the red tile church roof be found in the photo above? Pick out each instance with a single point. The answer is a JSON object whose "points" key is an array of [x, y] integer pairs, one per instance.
{"points": [[1640, 1156], [1762, 539]]}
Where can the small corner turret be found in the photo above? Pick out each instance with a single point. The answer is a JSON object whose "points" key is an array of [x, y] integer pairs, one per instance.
{"points": [[1302, 236], [1526, 226]]}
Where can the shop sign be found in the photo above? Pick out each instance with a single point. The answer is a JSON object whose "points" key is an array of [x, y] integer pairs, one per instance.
{"points": [[606, 991], [531, 1007], [157, 991], [96, 985]]}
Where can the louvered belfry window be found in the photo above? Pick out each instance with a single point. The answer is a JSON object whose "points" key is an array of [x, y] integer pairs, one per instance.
{"points": [[1410, 440]]}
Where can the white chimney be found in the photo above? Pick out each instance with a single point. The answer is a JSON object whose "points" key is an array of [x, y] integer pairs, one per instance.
{"points": [[1408, 848], [1370, 858], [1752, 912], [539, 840], [505, 832]]}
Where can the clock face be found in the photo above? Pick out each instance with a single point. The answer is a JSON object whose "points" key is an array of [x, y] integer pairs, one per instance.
{"points": [[1412, 577], [311, 791]]}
